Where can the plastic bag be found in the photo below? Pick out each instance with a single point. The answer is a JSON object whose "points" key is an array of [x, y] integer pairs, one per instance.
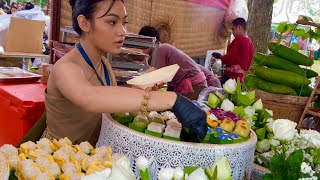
{"points": [[237, 8], [204, 94], [31, 14], [4, 26]]}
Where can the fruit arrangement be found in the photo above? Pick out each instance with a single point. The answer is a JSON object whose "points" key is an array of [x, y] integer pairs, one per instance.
{"points": [[163, 125], [57, 159], [232, 113], [281, 72]]}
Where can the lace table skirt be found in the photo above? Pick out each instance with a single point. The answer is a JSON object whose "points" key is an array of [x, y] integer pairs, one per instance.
{"points": [[169, 153]]}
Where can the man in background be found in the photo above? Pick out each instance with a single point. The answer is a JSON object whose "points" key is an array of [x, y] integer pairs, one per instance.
{"points": [[240, 52]]}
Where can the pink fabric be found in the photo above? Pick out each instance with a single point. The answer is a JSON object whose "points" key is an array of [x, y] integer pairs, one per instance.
{"points": [[185, 86], [219, 4]]}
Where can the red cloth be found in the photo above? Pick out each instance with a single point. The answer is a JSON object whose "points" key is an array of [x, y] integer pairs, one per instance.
{"points": [[185, 87], [240, 52]]}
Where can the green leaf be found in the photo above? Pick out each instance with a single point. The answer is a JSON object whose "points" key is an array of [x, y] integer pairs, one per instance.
{"points": [[145, 174], [278, 166], [215, 173], [261, 133], [282, 27], [262, 116], [295, 46], [239, 110], [290, 27], [306, 18], [294, 163], [299, 32], [243, 100], [316, 156], [267, 177]]}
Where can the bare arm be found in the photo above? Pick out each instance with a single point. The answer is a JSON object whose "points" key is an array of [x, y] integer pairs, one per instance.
{"points": [[71, 82]]}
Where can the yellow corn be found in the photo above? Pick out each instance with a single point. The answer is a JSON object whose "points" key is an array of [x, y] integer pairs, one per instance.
{"points": [[108, 164], [51, 176], [59, 161], [64, 177], [83, 163], [50, 158], [22, 156], [56, 144], [33, 155], [24, 148]]}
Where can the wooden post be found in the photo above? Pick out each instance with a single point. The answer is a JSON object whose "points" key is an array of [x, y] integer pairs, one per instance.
{"points": [[55, 23]]}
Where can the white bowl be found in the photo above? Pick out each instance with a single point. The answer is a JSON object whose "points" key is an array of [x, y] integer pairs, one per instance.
{"points": [[168, 153]]}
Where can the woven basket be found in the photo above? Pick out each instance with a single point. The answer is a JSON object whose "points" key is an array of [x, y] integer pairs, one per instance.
{"points": [[283, 106], [168, 153], [191, 27], [4, 168]]}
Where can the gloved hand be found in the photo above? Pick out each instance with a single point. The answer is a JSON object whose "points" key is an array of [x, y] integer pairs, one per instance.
{"points": [[216, 55], [191, 117]]}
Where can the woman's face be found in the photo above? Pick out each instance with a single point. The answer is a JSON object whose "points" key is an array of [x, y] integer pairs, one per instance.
{"points": [[14, 10], [108, 32]]}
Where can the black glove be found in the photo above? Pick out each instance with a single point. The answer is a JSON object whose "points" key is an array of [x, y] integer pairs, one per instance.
{"points": [[216, 55], [191, 117]]}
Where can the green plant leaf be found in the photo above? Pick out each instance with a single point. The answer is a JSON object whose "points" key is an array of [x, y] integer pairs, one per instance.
{"points": [[290, 27], [295, 46], [278, 166], [299, 32], [306, 35], [267, 177], [282, 27], [294, 163]]}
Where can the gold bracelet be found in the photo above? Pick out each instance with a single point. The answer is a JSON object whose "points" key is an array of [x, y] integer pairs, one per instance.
{"points": [[144, 106]]}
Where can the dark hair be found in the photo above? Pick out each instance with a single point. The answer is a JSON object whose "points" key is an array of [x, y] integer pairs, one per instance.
{"points": [[29, 6], [3, 4], [149, 31], [6, 8], [240, 22], [13, 4], [85, 8]]}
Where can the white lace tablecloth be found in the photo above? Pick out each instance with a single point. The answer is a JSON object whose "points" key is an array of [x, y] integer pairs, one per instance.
{"points": [[169, 153]]}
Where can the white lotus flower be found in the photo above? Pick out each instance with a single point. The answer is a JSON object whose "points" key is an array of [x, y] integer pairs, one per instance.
{"points": [[274, 142], [178, 174], [166, 174], [249, 111], [270, 112], [227, 105], [269, 124], [198, 174], [121, 169], [258, 105], [284, 129], [230, 86]]}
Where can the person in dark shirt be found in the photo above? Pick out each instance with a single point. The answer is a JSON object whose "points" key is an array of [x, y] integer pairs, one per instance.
{"points": [[240, 52]]}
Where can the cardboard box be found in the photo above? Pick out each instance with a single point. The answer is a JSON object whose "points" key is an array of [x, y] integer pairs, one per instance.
{"points": [[25, 36]]}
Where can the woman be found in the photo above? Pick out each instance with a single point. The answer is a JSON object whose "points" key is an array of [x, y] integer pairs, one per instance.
{"points": [[82, 86], [191, 78]]}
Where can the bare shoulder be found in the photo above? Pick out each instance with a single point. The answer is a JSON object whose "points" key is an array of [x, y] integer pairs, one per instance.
{"points": [[66, 65]]}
